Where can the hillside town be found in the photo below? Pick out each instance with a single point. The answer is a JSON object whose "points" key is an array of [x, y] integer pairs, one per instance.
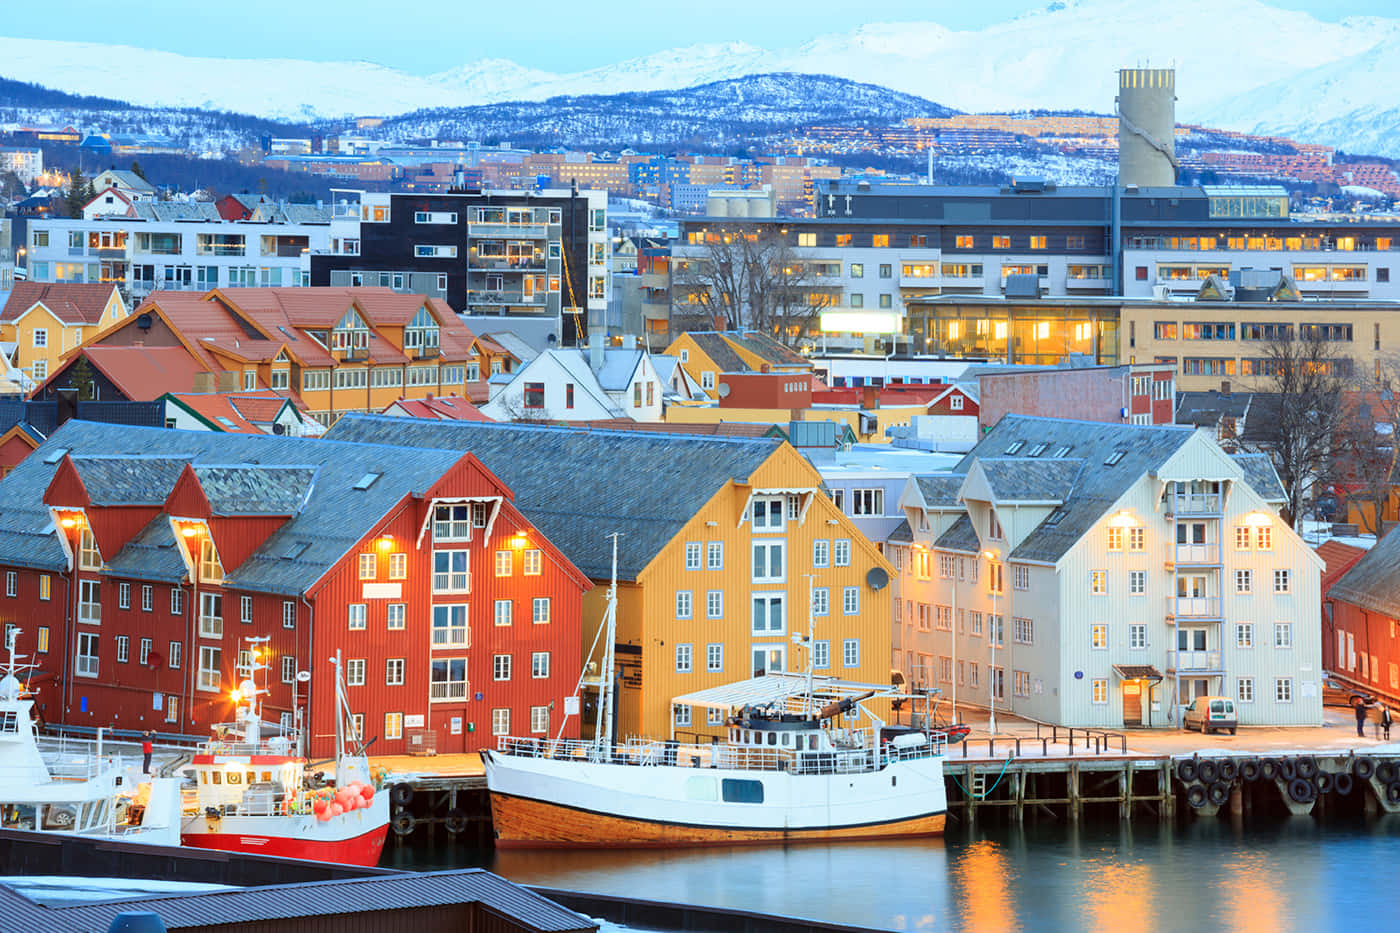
{"points": [[536, 496]]}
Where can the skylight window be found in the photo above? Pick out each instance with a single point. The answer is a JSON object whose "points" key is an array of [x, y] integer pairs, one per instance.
{"points": [[295, 550], [1055, 517], [1015, 447], [1062, 451], [366, 481], [1037, 450], [1114, 457]]}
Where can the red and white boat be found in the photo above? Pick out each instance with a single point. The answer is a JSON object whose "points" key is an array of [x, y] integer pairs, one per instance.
{"points": [[253, 794]]}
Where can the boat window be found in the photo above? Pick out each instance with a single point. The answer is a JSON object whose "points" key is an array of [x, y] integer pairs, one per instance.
{"points": [[772, 738], [700, 788], [737, 791], [215, 777], [235, 778], [787, 739], [267, 776], [812, 742], [252, 776]]}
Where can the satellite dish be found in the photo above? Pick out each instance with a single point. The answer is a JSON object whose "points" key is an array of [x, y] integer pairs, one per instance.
{"points": [[723, 390], [303, 677], [876, 578]]}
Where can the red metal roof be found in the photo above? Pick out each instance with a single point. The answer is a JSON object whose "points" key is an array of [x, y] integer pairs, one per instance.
{"points": [[445, 408], [146, 373], [1338, 559], [71, 303]]}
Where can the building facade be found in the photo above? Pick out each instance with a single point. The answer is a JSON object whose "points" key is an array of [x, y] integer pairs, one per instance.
{"points": [[149, 572], [45, 321], [1103, 575]]}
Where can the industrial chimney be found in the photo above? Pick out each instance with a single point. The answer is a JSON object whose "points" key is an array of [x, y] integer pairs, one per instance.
{"points": [[1146, 106]]}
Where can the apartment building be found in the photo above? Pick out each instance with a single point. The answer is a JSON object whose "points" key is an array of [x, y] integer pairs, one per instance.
{"points": [[1103, 575], [176, 245], [26, 163], [539, 253], [139, 563], [728, 549]]}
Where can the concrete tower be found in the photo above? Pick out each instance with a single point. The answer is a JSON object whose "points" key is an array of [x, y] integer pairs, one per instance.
{"points": [[1146, 106]]}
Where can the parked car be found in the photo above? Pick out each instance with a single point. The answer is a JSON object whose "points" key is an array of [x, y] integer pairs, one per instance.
{"points": [[1209, 714], [1337, 692]]}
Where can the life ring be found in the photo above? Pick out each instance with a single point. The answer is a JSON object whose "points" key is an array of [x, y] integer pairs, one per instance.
{"points": [[1363, 767], [1229, 770], [1385, 772], [1342, 783], [1287, 769], [1196, 796], [1208, 771], [403, 823], [1323, 782], [401, 794], [1306, 767], [1250, 769], [455, 821], [1218, 793], [1301, 791], [1268, 769], [1186, 770]]}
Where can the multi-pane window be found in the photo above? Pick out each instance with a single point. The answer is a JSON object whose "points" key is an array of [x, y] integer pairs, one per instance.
{"points": [[504, 611], [943, 617], [1244, 689], [1098, 582], [1264, 538], [1100, 690], [821, 553], [211, 615], [1283, 689], [393, 726], [683, 659], [355, 613], [450, 626], [841, 552], [1023, 631], [769, 561], [1115, 539], [123, 648], [1283, 634], [1242, 537], [533, 561], [1137, 582], [768, 616], [1098, 635], [680, 714], [821, 654], [500, 667], [850, 600], [90, 601], [867, 502], [123, 595], [245, 610], [692, 555], [11, 583], [173, 656], [289, 669], [714, 555], [289, 614], [393, 672], [210, 668], [504, 563], [769, 513], [369, 566], [947, 565], [448, 679], [539, 610], [539, 664], [355, 672], [451, 573], [684, 605], [1281, 581], [500, 721], [821, 601], [539, 719], [714, 604], [1244, 581], [1021, 683], [210, 570], [88, 556], [1244, 634], [1137, 539], [148, 599], [452, 523], [1020, 577], [1137, 635], [714, 657], [395, 616], [144, 658], [85, 658], [398, 566], [850, 652]]}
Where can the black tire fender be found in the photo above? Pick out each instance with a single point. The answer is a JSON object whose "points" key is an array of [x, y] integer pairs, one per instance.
{"points": [[401, 794], [403, 823], [1186, 770], [1342, 783], [1250, 769], [1287, 769], [455, 821], [1301, 791], [1196, 796], [1268, 769], [1219, 793], [1208, 770], [1229, 769], [1392, 793], [1385, 772], [1306, 767], [1364, 767], [1323, 782]]}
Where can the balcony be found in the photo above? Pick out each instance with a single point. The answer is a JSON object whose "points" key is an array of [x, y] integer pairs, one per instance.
{"points": [[1194, 608], [1194, 503], [537, 300], [1192, 555], [107, 252], [1086, 283], [91, 613], [492, 264], [514, 231], [1194, 662]]}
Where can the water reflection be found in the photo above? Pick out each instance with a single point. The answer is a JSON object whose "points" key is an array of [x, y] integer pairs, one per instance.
{"points": [[1292, 875]]}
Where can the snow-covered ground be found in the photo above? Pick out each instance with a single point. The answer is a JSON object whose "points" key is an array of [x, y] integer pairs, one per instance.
{"points": [[57, 890]]}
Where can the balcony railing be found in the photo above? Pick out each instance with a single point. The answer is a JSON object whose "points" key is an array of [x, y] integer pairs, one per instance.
{"points": [[1194, 662], [1193, 608], [1194, 503], [1085, 281], [492, 264], [538, 299], [1189, 555], [519, 231]]}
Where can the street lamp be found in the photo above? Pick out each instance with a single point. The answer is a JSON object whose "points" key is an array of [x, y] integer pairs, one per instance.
{"points": [[993, 630]]}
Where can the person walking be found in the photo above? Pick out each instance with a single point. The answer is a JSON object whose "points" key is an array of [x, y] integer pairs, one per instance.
{"points": [[1385, 721], [1360, 706], [147, 747]]}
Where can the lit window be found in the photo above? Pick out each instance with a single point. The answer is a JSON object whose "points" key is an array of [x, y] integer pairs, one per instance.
{"points": [[369, 566]]}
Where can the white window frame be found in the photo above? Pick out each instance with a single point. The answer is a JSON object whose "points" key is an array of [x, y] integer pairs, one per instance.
{"points": [[761, 566], [685, 658]]}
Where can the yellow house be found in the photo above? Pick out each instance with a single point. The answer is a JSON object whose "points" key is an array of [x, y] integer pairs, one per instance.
{"points": [[727, 553], [706, 354], [44, 320]]}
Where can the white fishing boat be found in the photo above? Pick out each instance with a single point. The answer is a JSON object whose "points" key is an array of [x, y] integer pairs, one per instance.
{"points": [[253, 791], [82, 790], [803, 759]]}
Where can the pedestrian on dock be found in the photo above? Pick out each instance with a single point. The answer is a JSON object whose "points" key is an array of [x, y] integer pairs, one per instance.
{"points": [[1385, 721], [147, 747], [1360, 717]]}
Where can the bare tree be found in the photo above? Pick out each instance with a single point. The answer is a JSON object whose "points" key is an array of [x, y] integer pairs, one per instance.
{"points": [[1307, 379], [1369, 462], [746, 278]]}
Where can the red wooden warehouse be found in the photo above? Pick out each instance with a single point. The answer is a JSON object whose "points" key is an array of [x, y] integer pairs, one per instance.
{"points": [[150, 572]]}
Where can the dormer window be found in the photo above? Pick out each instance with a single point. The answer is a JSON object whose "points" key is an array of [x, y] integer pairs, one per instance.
{"points": [[210, 569], [422, 332], [993, 525], [352, 333], [89, 558]]}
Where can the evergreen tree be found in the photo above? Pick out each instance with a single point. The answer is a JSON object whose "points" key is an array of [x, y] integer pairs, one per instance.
{"points": [[76, 196], [138, 171]]}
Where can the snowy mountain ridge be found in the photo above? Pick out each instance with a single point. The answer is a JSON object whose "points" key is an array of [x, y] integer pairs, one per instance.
{"points": [[1241, 64]]}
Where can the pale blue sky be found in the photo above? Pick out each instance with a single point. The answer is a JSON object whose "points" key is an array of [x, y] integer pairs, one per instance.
{"points": [[425, 36]]}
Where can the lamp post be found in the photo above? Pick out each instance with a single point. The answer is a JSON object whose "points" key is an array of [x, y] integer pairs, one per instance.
{"points": [[993, 630]]}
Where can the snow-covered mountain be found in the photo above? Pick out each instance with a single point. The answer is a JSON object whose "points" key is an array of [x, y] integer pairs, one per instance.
{"points": [[1241, 64]]}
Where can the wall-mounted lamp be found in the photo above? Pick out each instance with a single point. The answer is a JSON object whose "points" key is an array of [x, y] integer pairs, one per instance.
{"points": [[518, 540], [1122, 519], [386, 541], [189, 531], [1257, 519], [69, 522]]}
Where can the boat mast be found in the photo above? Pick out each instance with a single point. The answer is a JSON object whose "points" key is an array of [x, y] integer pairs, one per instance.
{"points": [[602, 740], [340, 705], [811, 702]]}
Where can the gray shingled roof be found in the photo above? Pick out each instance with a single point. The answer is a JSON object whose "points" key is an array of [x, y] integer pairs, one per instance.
{"points": [[766, 348], [1373, 582], [940, 490], [580, 486], [332, 519], [246, 489], [1259, 472], [1030, 479], [135, 480], [960, 537], [325, 898], [722, 353], [902, 533]]}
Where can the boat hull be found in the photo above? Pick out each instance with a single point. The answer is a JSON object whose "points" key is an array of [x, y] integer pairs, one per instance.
{"points": [[520, 822], [363, 849]]}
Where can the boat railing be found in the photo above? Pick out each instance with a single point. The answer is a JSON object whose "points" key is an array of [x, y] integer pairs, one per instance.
{"points": [[70, 766], [245, 748]]}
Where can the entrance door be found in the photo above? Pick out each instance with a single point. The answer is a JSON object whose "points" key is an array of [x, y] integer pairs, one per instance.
{"points": [[1132, 702]]}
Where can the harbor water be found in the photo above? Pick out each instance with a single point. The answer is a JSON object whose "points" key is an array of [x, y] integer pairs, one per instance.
{"points": [[1296, 874]]}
